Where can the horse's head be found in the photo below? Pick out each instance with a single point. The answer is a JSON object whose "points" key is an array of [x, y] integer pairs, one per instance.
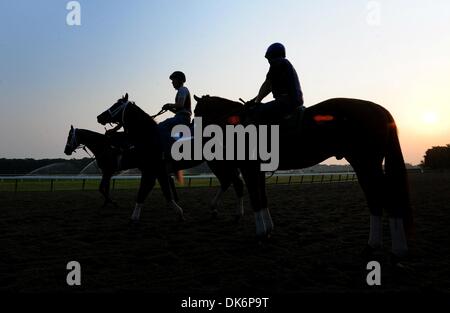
{"points": [[115, 113], [202, 105], [72, 143], [217, 110]]}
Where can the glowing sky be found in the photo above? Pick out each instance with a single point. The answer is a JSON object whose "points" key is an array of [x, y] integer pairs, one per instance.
{"points": [[54, 75]]}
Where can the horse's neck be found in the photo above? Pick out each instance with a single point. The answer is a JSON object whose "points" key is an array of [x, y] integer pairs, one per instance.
{"points": [[92, 140], [136, 120], [219, 109], [228, 106]]}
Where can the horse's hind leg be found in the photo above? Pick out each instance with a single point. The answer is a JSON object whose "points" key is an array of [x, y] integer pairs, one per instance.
{"points": [[371, 179], [375, 185], [264, 203], [252, 176], [228, 176], [145, 187], [238, 186]]}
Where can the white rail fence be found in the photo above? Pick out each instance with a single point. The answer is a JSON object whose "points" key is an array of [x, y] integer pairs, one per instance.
{"points": [[78, 182]]}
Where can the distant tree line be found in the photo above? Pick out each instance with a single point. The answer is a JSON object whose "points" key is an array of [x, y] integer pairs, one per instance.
{"points": [[25, 166], [74, 166], [437, 158]]}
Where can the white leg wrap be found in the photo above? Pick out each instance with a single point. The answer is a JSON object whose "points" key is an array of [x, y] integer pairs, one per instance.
{"points": [[178, 210], [399, 243], [240, 207], [216, 199], [263, 221], [137, 212], [376, 232], [260, 226], [267, 219]]}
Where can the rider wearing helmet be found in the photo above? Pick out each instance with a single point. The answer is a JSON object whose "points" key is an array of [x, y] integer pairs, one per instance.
{"points": [[282, 81], [181, 107]]}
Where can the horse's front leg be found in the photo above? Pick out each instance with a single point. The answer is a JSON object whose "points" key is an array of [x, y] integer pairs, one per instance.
{"points": [[163, 179], [218, 169], [227, 175], [145, 187]]}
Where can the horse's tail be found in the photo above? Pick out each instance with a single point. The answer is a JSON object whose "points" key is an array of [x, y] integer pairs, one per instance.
{"points": [[397, 181], [179, 176]]}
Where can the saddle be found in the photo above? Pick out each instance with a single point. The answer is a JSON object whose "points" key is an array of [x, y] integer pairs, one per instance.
{"points": [[291, 123], [119, 141]]}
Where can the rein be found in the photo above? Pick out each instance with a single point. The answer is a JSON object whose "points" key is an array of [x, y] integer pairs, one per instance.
{"points": [[159, 113], [75, 146]]}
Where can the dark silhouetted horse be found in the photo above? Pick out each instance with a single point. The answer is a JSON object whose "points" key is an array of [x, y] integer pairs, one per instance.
{"points": [[112, 154], [362, 132], [142, 133]]}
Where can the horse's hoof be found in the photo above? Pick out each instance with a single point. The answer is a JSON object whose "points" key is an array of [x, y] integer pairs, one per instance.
{"points": [[214, 214], [397, 261], [263, 238], [181, 218], [134, 222], [368, 252]]}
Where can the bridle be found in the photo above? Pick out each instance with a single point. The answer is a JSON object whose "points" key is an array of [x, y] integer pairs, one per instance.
{"points": [[122, 107], [74, 146], [158, 114]]}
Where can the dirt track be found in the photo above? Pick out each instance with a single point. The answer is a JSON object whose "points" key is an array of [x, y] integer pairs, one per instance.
{"points": [[320, 231]]}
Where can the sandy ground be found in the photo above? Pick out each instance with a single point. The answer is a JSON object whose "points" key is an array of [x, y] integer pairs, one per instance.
{"points": [[320, 231]]}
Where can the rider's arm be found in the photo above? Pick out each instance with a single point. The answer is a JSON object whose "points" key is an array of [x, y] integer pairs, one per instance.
{"points": [[180, 100], [264, 91], [182, 94]]}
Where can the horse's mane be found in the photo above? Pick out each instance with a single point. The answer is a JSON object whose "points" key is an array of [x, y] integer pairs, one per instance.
{"points": [[90, 133], [142, 115], [220, 101], [207, 105]]}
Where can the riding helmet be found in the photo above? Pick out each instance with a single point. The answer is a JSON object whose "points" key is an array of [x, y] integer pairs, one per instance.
{"points": [[275, 51], [178, 75]]}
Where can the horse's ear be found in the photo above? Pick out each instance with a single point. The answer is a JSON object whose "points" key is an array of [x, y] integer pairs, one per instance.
{"points": [[196, 98], [126, 97], [71, 127]]}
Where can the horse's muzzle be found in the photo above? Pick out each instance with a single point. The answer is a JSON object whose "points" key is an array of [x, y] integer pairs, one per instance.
{"points": [[101, 119], [67, 151]]}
